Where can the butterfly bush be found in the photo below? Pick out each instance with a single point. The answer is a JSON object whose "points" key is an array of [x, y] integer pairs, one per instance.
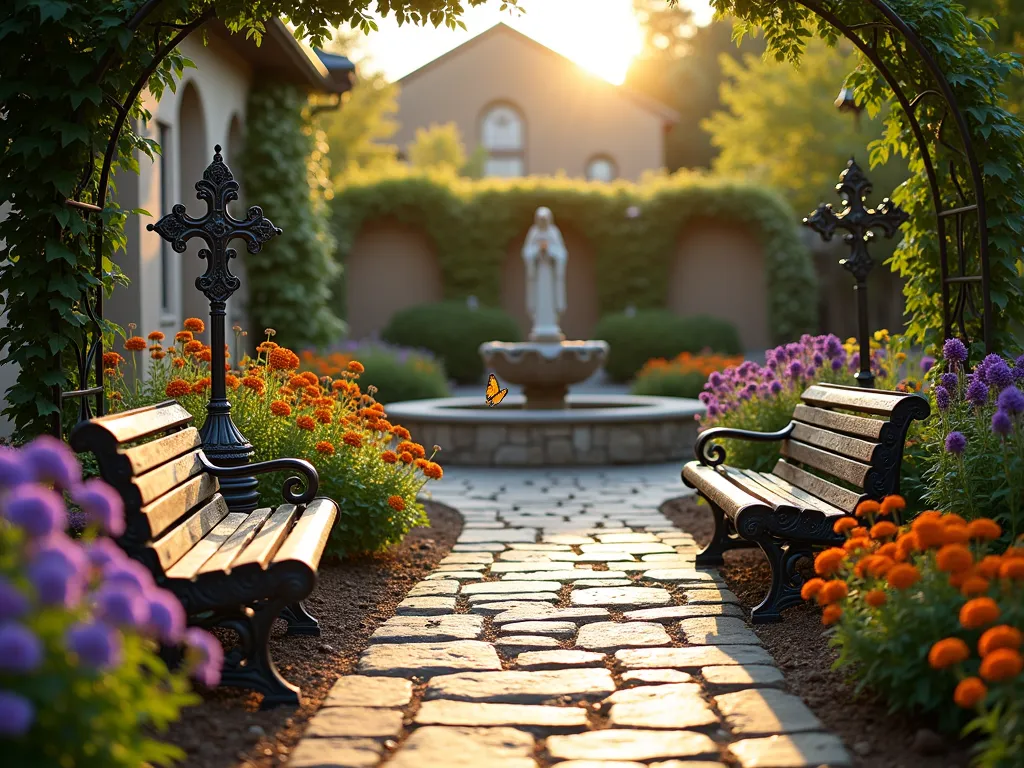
{"points": [[930, 616], [371, 467], [761, 398], [81, 683], [974, 449]]}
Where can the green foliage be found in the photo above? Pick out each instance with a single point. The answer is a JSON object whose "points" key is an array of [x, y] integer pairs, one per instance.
{"points": [[453, 332], [669, 382], [397, 373], [635, 339], [438, 147], [473, 224], [284, 163]]}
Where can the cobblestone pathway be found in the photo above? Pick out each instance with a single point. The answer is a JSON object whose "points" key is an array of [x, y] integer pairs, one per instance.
{"points": [[569, 628]]}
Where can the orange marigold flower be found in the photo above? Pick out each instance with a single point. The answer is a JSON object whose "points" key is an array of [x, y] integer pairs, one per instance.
{"points": [[988, 566], [420, 463], [953, 558], [879, 565], [110, 372], [974, 585], [888, 550], [324, 447], [323, 415], [282, 359], [884, 529], [177, 388], [433, 471], [406, 457], [280, 408], [205, 354], [389, 457], [1014, 553], [1003, 636], [955, 534], [352, 438], [415, 449], [828, 562], [902, 576], [831, 615], [970, 692], [255, 384], [194, 346], [112, 359], [115, 395], [868, 507], [355, 366], [306, 423], [266, 346], [985, 529], [893, 504], [194, 324], [875, 598], [844, 525], [378, 408], [1002, 664], [383, 425], [183, 336], [947, 652], [178, 363], [978, 612], [231, 380], [858, 532], [832, 592], [310, 377], [1012, 569], [135, 344], [951, 518], [158, 354], [860, 542], [297, 382], [811, 588], [401, 432], [397, 503], [202, 385], [156, 336], [929, 532]]}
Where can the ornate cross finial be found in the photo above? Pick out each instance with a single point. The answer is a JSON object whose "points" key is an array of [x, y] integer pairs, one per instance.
{"points": [[858, 220], [217, 228]]}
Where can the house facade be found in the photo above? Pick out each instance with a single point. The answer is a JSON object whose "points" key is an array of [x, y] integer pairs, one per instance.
{"points": [[534, 111]]}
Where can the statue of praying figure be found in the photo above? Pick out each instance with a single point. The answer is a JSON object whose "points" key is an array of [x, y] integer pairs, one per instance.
{"points": [[545, 256]]}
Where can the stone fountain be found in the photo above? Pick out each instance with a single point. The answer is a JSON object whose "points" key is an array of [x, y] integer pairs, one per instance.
{"points": [[547, 426]]}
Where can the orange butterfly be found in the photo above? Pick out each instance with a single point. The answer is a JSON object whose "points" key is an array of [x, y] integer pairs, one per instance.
{"points": [[494, 393]]}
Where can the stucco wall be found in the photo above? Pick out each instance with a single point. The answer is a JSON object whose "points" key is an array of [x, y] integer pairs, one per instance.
{"points": [[570, 116]]}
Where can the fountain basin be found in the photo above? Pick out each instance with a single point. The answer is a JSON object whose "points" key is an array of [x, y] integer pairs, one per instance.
{"points": [[544, 369], [592, 430]]}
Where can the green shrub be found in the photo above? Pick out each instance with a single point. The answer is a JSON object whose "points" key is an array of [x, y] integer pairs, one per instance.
{"points": [[397, 373], [669, 383], [635, 339], [453, 332]]}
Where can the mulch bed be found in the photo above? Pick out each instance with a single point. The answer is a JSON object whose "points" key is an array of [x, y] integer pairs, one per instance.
{"points": [[353, 597], [875, 739]]}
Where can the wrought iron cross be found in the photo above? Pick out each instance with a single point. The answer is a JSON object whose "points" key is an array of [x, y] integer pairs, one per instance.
{"points": [[859, 222], [222, 441]]}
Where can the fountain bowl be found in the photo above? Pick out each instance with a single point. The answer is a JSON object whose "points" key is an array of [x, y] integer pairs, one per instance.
{"points": [[590, 430], [544, 369]]}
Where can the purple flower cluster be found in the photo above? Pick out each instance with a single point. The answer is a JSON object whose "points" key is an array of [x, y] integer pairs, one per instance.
{"points": [[788, 367], [119, 593], [994, 378]]}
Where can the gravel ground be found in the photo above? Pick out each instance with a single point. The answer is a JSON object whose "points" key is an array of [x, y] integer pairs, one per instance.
{"points": [[353, 597], [875, 738]]}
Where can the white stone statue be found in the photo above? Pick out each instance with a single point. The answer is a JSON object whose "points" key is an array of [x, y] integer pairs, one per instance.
{"points": [[545, 256]]}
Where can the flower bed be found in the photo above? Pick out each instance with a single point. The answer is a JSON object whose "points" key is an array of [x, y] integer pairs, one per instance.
{"points": [[372, 468], [398, 373], [682, 376]]}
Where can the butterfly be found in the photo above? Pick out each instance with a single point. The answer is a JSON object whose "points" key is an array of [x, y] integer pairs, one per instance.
{"points": [[494, 394]]}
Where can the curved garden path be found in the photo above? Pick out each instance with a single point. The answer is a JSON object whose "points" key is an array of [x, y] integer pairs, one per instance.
{"points": [[570, 628]]}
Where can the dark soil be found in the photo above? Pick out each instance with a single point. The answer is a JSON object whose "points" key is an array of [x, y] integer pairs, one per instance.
{"points": [[874, 738], [353, 597]]}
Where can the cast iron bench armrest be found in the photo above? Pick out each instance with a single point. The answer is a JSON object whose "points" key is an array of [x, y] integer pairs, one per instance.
{"points": [[712, 454], [312, 479]]}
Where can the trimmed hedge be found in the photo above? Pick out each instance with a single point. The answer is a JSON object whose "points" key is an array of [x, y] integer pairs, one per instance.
{"points": [[472, 224], [652, 333], [453, 332]]}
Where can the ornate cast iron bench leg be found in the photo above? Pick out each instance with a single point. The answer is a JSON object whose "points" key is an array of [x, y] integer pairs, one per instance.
{"points": [[786, 580], [300, 620], [723, 540], [251, 665]]}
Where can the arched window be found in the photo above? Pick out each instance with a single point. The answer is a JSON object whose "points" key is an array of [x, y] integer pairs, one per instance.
{"points": [[601, 168], [502, 134]]}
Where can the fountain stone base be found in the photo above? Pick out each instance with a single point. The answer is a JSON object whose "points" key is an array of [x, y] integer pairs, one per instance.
{"points": [[544, 369]]}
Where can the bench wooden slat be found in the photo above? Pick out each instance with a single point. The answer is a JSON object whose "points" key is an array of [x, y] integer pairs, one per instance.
{"points": [[166, 510], [836, 495], [140, 423], [798, 495], [718, 490], [225, 558], [172, 474], [188, 566], [754, 488], [170, 547], [308, 538], [143, 458], [835, 465], [858, 426], [874, 401], [269, 539], [851, 447]]}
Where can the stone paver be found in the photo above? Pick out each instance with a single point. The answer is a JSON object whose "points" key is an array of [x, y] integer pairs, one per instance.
{"points": [[467, 557], [516, 644], [692, 658], [740, 677], [682, 576], [426, 606], [622, 598], [564, 575], [710, 595], [510, 587], [428, 659], [529, 566], [366, 722], [336, 752], [471, 713], [765, 712], [801, 750], [434, 589], [661, 706], [488, 608], [657, 676], [363, 691], [550, 613], [493, 597], [446, 747], [521, 687], [718, 630], [611, 636], [550, 628], [560, 659], [454, 575], [629, 549], [629, 744], [505, 536], [417, 629], [673, 612]]}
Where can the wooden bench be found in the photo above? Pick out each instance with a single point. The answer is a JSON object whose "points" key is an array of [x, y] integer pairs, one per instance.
{"points": [[231, 569], [843, 445]]}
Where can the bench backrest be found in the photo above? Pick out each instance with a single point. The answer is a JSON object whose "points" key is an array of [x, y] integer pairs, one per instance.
{"points": [[152, 457], [852, 435]]}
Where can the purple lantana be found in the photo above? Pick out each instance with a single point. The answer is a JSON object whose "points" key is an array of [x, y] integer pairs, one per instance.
{"points": [[927, 363], [16, 714], [36, 510], [95, 644], [13, 602], [130, 572], [977, 392], [1002, 424], [956, 442], [13, 471], [942, 397], [51, 461], [206, 656], [103, 551], [122, 605], [954, 351], [21, 651], [167, 616], [57, 571], [102, 505], [1011, 400]]}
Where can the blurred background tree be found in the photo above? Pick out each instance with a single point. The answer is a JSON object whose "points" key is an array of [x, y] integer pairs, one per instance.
{"points": [[440, 148]]}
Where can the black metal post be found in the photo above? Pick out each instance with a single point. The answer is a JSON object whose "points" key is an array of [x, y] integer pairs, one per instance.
{"points": [[223, 443], [859, 222]]}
